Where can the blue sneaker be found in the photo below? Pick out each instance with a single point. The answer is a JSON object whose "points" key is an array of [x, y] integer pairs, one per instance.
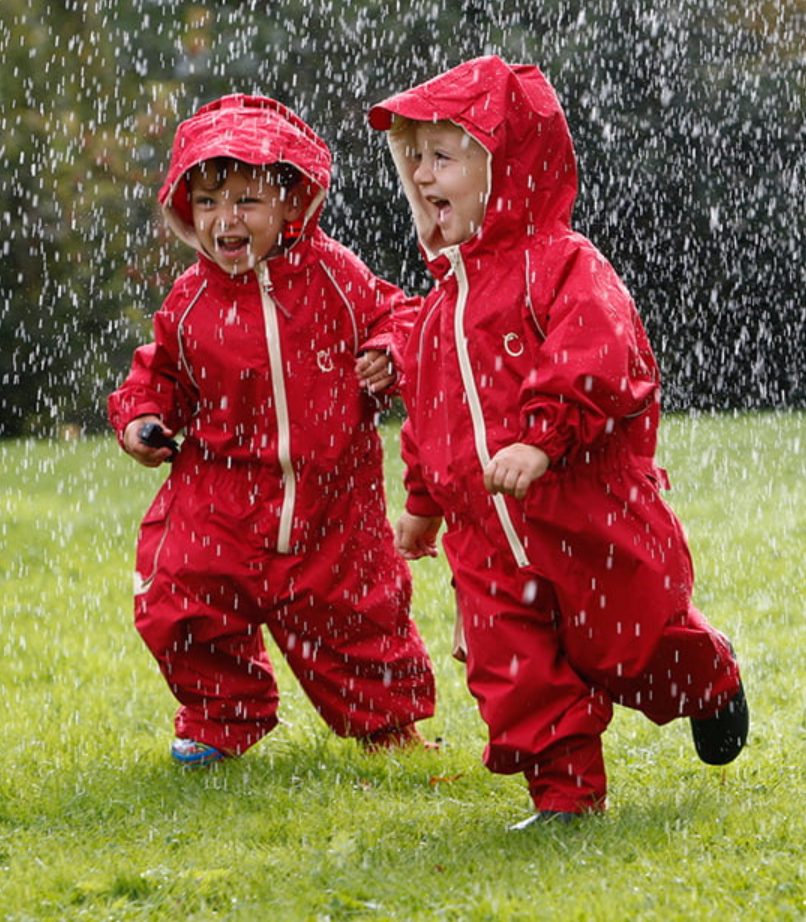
{"points": [[193, 754]]}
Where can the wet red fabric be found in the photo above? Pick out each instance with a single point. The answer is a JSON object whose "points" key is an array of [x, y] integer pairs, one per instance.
{"points": [[274, 511], [579, 596]]}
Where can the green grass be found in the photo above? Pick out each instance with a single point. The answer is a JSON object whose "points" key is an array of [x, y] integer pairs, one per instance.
{"points": [[96, 824]]}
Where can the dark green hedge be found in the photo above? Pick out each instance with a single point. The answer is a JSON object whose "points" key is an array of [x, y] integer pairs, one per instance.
{"points": [[687, 119]]}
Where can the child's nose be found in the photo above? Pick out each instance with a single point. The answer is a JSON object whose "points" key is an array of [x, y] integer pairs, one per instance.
{"points": [[422, 174], [228, 215]]}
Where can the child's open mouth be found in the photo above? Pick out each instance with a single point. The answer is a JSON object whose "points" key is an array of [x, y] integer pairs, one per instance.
{"points": [[232, 246], [443, 207]]}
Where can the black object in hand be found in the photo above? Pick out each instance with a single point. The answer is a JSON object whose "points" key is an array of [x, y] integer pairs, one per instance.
{"points": [[154, 437]]}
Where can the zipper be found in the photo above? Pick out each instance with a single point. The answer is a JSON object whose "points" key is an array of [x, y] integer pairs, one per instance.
{"points": [[280, 408], [474, 404]]}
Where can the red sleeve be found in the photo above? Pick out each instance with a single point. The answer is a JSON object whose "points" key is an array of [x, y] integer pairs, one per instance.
{"points": [[393, 324], [386, 313], [418, 499], [594, 367], [158, 383]]}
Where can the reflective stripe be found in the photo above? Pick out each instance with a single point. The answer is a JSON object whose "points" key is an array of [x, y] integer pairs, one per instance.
{"points": [[474, 403], [180, 333], [527, 268], [346, 301], [280, 409], [143, 583]]}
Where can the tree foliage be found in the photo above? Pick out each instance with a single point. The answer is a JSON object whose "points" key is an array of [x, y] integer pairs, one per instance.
{"points": [[687, 119]]}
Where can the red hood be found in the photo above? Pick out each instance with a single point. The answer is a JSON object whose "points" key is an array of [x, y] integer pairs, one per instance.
{"points": [[254, 129], [514, 113]]}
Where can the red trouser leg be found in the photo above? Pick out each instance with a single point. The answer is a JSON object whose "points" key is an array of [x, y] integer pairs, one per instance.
{"points": [[346, 633], [236, 698], [629, 625], [619, 562], [339, 611], [692, 673], [197, 613], [215, 664], [543, 718], [569, 777]]}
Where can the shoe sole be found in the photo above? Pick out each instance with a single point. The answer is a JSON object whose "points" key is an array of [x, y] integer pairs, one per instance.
{"points": [[198, 759]]}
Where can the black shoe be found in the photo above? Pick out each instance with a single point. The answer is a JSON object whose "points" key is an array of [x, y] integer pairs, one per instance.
{"points": [[545, 816], [719, 739]]}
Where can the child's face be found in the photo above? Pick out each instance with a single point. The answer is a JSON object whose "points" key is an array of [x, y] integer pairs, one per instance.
{"points": [[238, 218], [451, 174]]}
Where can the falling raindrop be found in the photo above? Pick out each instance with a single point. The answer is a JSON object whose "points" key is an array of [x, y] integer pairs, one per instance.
{"points": [[685, 117]]}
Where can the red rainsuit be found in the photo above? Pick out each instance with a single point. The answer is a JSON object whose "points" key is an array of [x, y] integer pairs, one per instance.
{"points": [[580, 595], [274, 510]]}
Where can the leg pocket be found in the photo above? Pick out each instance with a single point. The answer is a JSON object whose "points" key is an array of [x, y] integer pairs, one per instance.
{"points": [[150, 541]]}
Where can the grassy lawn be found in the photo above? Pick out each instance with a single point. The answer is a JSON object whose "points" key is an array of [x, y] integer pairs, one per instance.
{"points": [[97, 824]]}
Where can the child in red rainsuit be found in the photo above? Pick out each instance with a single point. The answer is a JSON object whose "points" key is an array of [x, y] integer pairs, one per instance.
{"points": [[533, 399], [267, 353]]}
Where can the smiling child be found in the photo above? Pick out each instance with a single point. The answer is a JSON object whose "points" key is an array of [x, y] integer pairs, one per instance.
{"points": [[533, 398], [268, 353]]}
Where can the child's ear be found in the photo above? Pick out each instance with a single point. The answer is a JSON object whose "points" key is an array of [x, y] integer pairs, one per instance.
{"points": [[299, 199], [295, 208]]}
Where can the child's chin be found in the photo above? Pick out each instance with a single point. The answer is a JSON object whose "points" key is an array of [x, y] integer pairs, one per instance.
{"points": [[433, 240], [233, 266]]}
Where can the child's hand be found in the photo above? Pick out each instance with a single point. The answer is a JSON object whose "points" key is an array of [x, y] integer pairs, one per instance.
{"points": [[144, 454], [514, 468], [416, 535], [375, 370]]}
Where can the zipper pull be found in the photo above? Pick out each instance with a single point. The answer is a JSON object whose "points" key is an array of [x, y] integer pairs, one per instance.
{"points": [[267, 289], [264, 278], [454, 258]]}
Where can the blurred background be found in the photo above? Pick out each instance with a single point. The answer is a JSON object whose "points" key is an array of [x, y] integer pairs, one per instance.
{"points": [[688, 120]]}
